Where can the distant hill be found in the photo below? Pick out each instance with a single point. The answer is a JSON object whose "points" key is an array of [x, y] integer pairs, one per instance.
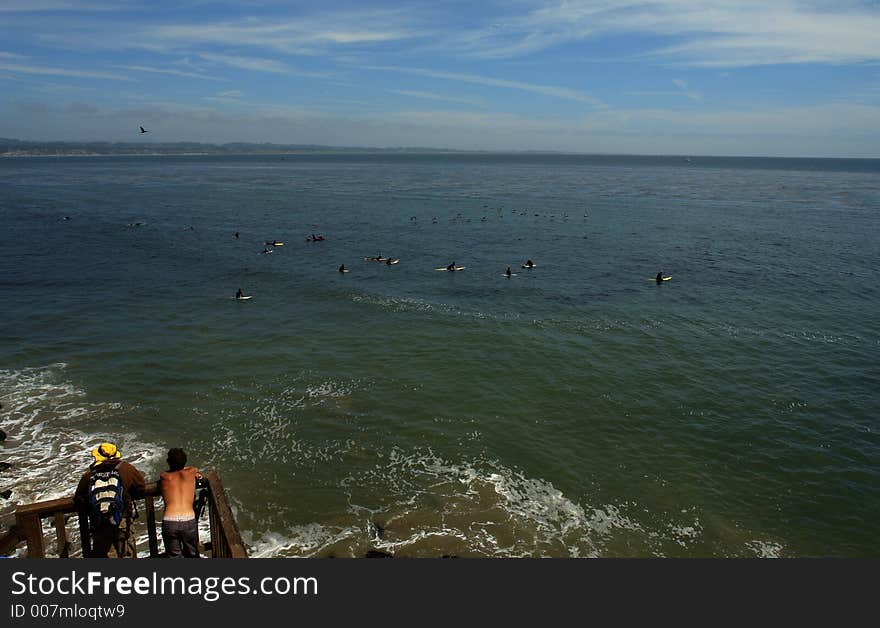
{"points": [[23, 148]]}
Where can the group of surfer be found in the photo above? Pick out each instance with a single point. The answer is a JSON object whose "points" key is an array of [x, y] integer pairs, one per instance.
{"points": [[379, 258], [266, 250], [452, 267]]}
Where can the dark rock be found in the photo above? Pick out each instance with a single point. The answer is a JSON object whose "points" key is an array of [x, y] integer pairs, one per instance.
{"points": [[377, 554], [6, 494], [4, 466], [2, 435]]}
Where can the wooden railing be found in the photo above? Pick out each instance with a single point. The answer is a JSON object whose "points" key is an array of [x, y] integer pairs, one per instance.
{"points": [[225, 538]]}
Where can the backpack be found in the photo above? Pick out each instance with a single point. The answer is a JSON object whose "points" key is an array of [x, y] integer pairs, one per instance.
{"points": [[106, 497]]}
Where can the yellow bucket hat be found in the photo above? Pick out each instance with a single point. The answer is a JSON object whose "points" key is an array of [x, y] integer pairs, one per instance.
{"points": [[106, 451]]}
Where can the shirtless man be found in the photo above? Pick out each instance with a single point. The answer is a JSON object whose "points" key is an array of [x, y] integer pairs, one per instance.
{"points": [[180, 529]]}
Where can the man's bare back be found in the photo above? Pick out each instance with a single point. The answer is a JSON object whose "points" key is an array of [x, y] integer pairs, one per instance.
{"points": [[179, 491]]}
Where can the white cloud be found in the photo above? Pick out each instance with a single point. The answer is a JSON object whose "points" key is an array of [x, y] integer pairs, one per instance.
{"points": [[546, 90], [432, 96], [141, 68], [305, 35], [714, 33], [248, 63], [34, 69], [709, 33], [682, 85], [231, 97], [854, 121], [35, 6]]}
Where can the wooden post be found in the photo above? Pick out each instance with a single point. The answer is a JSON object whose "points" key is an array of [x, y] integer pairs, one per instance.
{"points": [[32, 528], [151, 526], [214, 525], [230, 537], [61, 535]]}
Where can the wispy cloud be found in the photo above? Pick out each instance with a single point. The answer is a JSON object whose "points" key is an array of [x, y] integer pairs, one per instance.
{"points": [[248, 63], [441, 97], [39, 6], [546, 90], [682, 85], [35, 69], [855, 121], [231, 97], [172, 72], [713, 33], [305, 35]]}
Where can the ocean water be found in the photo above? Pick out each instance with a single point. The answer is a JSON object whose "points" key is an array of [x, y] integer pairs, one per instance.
{"points": [[577, 409]]}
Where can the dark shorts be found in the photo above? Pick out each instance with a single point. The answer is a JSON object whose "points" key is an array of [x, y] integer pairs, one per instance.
{"points": [[181, 538], [110, 541]]}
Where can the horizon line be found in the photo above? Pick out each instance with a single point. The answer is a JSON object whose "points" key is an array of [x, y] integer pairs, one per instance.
{"points": [[292, 148]]}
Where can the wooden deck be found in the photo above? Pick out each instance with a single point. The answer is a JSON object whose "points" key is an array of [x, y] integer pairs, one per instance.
{"points": [[225, 537]]}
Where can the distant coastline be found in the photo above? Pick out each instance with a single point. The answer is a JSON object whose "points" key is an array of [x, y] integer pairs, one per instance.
{"points": [[24, 148], [14, 148]]}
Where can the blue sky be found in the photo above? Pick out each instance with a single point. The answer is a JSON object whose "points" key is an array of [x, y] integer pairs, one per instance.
{"points": [[723, 77]]}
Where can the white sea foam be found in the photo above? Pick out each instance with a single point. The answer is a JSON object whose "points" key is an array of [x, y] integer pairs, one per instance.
{"points": [[684, 535], [483, 508], [300, 541], [47, 444], [265, 424], [765, 549]]}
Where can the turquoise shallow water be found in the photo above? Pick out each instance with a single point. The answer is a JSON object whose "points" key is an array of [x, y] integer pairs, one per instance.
{"points": [[576, 409]]}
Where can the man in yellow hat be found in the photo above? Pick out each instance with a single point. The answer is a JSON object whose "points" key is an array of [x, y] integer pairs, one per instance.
{"points": [[106, 492]]}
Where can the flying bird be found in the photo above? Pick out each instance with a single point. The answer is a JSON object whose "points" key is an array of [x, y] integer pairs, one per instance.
{"points": [[143, 130]]}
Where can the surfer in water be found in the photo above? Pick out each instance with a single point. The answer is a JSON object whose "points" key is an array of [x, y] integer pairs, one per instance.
{"points": [[239, 294], [659, 277], [529, 264], [507, 272], [342, 268], [451, 266]]}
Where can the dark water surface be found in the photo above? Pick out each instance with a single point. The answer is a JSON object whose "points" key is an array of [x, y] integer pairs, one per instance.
{"points": [[576, 409]]}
